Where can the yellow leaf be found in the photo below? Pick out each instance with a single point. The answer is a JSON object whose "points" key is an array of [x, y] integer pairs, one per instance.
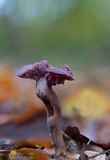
{"points": [[91, 102]]}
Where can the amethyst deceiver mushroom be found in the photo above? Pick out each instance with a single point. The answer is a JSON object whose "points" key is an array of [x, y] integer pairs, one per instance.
{"points": [[46, 76]]}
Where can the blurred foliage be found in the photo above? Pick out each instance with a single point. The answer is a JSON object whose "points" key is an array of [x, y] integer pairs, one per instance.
{"points": [[91, 102], [75, 31]]}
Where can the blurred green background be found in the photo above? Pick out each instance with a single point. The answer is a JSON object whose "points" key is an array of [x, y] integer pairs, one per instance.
{"points": [[76, 32]]}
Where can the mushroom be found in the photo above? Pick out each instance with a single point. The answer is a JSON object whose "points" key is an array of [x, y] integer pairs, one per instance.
{"points": [[46, 76]]}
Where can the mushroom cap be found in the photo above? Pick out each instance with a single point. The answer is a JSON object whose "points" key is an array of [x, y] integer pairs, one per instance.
{"points": [[24, 72], [33, 71], [53, 75]]}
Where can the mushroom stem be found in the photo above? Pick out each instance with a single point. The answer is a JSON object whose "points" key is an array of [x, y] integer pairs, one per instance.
{"points": [[50, 99]]}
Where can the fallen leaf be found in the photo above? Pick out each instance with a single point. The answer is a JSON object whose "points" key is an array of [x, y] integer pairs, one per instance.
{"points": [[88, 99], [95, 155]]}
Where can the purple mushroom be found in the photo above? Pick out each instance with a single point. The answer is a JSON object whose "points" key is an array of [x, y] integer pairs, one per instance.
{"points": [[46, 76]]}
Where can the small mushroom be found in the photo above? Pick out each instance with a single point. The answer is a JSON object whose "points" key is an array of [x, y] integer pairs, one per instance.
{"points": [[46, 76]]}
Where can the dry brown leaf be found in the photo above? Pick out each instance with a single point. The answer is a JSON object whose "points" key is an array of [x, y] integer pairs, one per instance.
{"points": [[34, 154], [33, 142]]}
